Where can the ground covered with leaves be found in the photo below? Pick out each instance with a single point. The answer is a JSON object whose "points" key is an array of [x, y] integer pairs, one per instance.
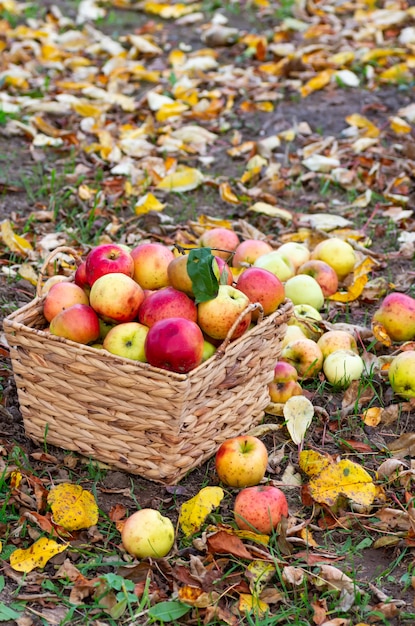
{"points": [[286, 121]]}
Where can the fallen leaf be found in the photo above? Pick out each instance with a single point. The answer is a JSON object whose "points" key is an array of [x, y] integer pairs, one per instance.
{"points": [[194, 512], [37, 555], [298, 413], [73, 507], [183, 179]]}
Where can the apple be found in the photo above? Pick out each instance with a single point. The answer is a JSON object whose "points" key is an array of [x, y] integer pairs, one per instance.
{"points": [[127, 340], [337, 253], [108, 258], [297, 253], [151, 261], [209, 350], [260, 508], [306, 317], [222, 241], [247, 252], [52, 280], [80, 277], [277, 264], [147, 534], [104, 328], [333, 340], [180, 279], [292, 333], [343, 366], [61, 296], [323, 273], [116, 297], [285, 383], [262, 286], [222, 271], [241, 461], [166, 302], [402, 374], [216, 316], [304, 289], [284, 372], [175, 344], [78, 323], [397, 314], [305, 355]]}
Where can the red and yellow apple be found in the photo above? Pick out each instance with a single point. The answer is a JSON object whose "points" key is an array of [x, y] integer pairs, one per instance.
{"points": [[127, 340], [337, 253], [78, 323], [151, 261], [116, 297], [323, 273], [262, 286], [247, 252], [166, 302], [147, 534], [285, 383], [241, 461], [333, 340], [175, 344], [107, 258], [222, 241], [260, 509], [216, 316], [61, 296], [397, 314], [305, 355]]}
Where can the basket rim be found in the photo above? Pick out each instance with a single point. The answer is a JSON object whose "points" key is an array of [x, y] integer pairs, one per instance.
{"points": [[10, 323]]}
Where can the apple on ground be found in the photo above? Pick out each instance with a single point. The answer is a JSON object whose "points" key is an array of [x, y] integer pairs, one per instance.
{"points": [[116, 297], [174, 344], [127, 340], [107, 258], [397, 314], [277, 264], [262, 286], [151, 261], [78, 323], [337, 253], [166, 302], [222, 242], [248, 251], [260, 509], [292, 333], [402, 374], [61, 296], [241, 461], [343, 366], [285, 383], [305, 355], [147, 534], [323, 273], [304, 289], [333, 340], [217, 316], [307, 317], [297, 253]]}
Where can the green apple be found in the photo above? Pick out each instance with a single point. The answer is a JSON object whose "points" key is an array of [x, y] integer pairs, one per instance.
{"points": [[402, 374], [304, 289], [305, 317], [147, 533], [343, 366], [277, 264], [208, 350], [127, 340]]}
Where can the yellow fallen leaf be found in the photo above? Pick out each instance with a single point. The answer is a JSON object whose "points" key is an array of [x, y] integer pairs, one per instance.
{"points": [[36, 556], [360, 121], [73, 507], [298, 413], [380, 334], [148, 203], [16, 243], [360, 278], [271, 210], [396, 73], [340, 478], [169, 110], [183, 179], [166, 10], [399, 126], [27, 272], [193, 512], [251, 604], [227, 194], [317, 82], [259, 574]]}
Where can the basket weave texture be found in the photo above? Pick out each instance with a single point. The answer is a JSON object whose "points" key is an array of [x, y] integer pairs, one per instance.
{"points": [[130, 415]]}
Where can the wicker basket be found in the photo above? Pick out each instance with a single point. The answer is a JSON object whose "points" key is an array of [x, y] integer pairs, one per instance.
{"points": [[130, 415]]}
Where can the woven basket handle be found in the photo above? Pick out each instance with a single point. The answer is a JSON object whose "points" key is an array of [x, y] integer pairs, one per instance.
{"points": [[49, 258], [253, 306]]}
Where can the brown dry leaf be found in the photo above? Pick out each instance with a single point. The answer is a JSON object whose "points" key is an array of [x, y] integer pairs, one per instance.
{"points": [[195, 596], [403, 445], [227, 194], [73, 507], [372, 416], [225, 543], [194, 512], [333, 578], [37, 555], [381, 335]]}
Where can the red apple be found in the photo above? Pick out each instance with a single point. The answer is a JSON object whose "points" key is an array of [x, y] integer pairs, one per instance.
{"points": [[80, 278], [116, 297], [107, 258], [397, 314], [285, 383], [323, 273], [61, 296], [262, 286], [175, 344], [166, 302], [248, 251], [151, 261], [260, 508], [241, 461], [305, 355], [216, 316], [222, 241], [78, 323]]}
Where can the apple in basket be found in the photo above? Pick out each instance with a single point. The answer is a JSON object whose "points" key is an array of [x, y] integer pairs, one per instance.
{"points": [[241, 461], [262, 286], [127, 340], [222, 241], [260, 508], [151, 261], [179, 277], [61, 296], [216, 316], [166, 302], [147, 534], [78, 323], [116, 297], [107, 258], [249, 250], [175, 344]]}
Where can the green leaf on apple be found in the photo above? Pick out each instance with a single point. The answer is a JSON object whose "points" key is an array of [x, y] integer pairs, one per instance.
{"points": [[205, 284]]}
